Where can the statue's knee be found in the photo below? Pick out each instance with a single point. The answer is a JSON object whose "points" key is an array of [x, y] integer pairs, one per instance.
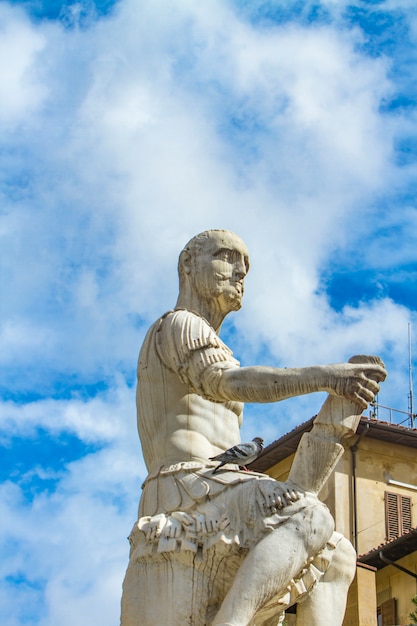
{"points": [[320, 527], [342, 566], [344, 560]]}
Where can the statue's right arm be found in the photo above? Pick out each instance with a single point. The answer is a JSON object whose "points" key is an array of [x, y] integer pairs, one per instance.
{"points": [[189, 346], [355, 381]]}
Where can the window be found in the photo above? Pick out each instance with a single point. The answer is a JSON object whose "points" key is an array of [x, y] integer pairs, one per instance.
{"points": [[387, 613], [397, 515]]}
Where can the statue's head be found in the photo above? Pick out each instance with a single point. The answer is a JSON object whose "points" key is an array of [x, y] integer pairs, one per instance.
{"points": [[213, 266]]}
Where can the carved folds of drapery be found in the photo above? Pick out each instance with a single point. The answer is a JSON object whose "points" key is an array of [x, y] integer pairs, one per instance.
{"points": [[187, 513]]}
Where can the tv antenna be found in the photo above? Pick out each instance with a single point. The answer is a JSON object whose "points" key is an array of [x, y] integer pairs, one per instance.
{"points": [[410, 376]]}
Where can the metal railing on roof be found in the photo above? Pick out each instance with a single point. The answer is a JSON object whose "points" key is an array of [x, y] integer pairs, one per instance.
{"points": [[393, 416]]}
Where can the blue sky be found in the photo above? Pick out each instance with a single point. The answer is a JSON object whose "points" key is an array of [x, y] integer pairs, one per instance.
{"points": [[126, 128]]}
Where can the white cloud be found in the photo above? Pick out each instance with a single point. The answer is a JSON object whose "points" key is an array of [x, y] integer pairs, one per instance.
{"points": [[71, 546], [21, 89], [69, 541], [104, 418]]}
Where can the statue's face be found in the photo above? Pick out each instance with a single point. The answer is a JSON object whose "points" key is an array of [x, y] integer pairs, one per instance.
{"points": [[219, 269]]}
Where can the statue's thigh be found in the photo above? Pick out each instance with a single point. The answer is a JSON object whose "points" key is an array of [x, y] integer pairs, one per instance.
{"points": [[179, 589]]}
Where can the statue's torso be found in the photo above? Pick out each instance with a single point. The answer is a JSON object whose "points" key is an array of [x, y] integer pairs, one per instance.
{"points": [[176, 422]]}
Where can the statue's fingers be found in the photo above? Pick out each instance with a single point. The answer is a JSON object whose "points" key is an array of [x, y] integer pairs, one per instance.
{"points": [[380, 374], [369, 388], [199, 524], [294, 495], [174, 530], [376, 366], [187, 519], [149, 533], [359, 400]]}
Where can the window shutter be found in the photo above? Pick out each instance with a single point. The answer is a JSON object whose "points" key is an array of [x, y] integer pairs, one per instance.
{"points": [[389, 613], [397, 515], [391, 515], [405, 514]]}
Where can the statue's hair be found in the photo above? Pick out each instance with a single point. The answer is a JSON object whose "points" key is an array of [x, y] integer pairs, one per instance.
{"points": [[193, 247]]}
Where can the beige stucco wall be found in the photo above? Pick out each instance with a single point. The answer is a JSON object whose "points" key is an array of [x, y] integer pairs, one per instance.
{"points": [[392, 583], [375, 460], [281, 470], [362, 604]]}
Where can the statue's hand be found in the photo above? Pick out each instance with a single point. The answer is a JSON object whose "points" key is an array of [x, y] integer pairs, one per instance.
{"points": [[358, 379], [282, 495], [212, 520], [193, 525], [152, 526], [183, 518], [172, 529]]}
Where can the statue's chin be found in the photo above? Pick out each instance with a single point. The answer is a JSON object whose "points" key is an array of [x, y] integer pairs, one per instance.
{"points": [[228, 301], [234, 302]]}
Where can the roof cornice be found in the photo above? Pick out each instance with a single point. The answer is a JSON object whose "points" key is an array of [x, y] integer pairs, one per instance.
{"points": [[286, 445]]}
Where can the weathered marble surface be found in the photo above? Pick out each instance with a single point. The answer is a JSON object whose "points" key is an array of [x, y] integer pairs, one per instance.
{"points": [[232, 548]]}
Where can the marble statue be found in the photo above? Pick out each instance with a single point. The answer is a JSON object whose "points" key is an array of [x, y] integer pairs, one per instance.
{"points": [[233, 548]]}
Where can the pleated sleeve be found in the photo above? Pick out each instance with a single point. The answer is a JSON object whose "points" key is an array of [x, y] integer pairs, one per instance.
{"points": [[188, 345]]}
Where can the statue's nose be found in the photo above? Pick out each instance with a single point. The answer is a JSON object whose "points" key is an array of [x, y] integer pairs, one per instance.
{"points": [[240, 269]]}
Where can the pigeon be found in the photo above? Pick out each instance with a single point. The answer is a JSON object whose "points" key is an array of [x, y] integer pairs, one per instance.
{"points": [[241, 454]]}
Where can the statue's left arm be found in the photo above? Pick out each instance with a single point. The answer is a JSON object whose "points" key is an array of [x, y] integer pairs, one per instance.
{"points": [[358, 382]]}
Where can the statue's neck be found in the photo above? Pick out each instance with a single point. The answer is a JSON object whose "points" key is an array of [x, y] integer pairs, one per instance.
{"points": [[208, 310]]}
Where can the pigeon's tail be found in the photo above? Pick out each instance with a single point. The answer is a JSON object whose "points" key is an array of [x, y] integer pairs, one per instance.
{"points": [[216, 469]]}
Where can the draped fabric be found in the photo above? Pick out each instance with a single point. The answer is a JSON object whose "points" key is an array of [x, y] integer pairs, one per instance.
{"points": [[186, 510]]}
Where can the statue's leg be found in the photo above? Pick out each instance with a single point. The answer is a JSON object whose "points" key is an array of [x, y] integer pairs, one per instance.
{"points": [[319, 450], [160, 594], [178, 588], [326, 604], [273, 562]]}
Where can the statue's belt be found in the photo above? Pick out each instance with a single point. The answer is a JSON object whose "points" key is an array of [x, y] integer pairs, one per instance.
{"points": [[229, 474]]}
